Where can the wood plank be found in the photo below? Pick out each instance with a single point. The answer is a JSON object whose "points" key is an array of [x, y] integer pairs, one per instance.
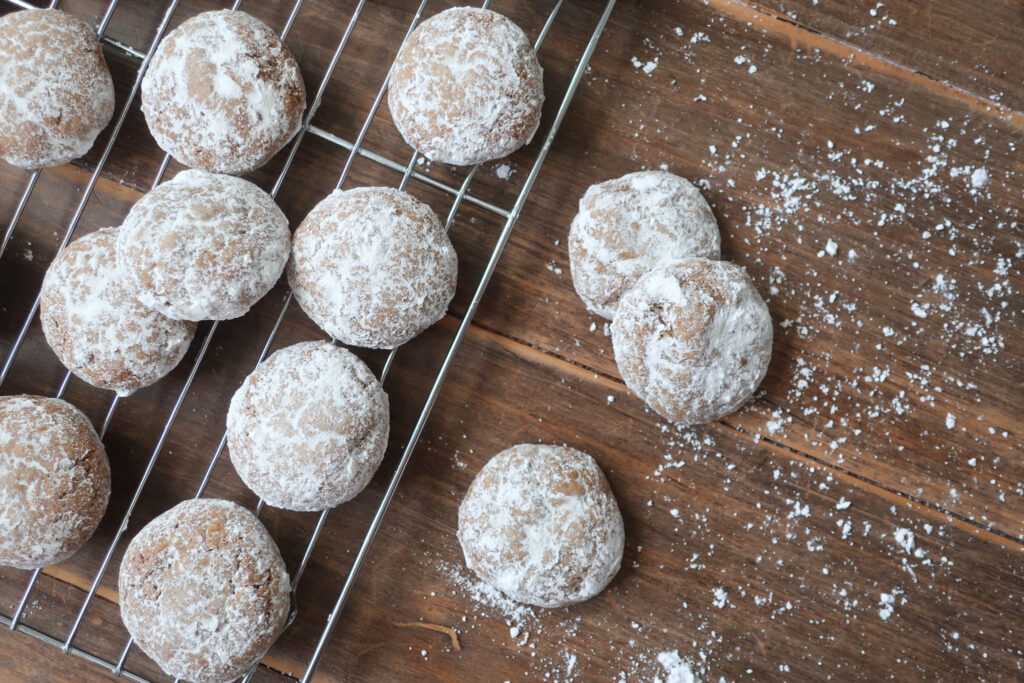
{"points": [[859, 378], [971, 45]]}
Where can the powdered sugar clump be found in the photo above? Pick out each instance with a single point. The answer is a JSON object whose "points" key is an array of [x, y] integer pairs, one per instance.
{"points": [[466, 87], [693, 339], [677, 669], [223, 93], [540, 524], [308, 428], [627, 225]]}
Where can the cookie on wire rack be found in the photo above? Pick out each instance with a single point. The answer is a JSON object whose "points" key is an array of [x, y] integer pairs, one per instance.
{"points": [[56, 93]]}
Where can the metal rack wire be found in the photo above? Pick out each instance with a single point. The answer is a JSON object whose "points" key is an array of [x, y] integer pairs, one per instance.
{"points": [[354, 149]]}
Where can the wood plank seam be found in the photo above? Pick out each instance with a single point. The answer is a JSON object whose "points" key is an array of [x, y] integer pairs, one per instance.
{"points": [[757, 16], [1002, 538]]}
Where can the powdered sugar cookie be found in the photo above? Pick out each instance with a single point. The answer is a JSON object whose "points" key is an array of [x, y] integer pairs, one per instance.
{"points": [[204, 590], [540, 524], [308, 428], [54, 480], [372, 267], [466, 87], [56, 94], [627, 225], [223, 93], [97, 327], [693, 339], [203, 246]]}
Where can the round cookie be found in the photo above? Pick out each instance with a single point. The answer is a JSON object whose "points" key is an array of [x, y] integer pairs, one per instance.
{"points": [[54, 481], [540, 524], [466, 87], [56, 93], [223, 93], [204, 591], [203, 246], [627, 225], [693, 339], [309, 427], [372, 267], [97, 327]]}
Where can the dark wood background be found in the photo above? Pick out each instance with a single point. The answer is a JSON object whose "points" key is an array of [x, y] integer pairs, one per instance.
{"points": [[864, 161]]}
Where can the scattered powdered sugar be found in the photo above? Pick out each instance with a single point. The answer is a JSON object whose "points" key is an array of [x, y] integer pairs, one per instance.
{"points": [[540, 524], [492, 82], [309, 427], [54, 480], [203, 246], [223, 93], [693, 339], [372, 266], [97, 327], [627, 225], [56, 93], [204, 590]]}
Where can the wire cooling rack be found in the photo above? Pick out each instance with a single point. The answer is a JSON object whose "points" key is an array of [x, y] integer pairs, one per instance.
{"points": [[353, 149]]}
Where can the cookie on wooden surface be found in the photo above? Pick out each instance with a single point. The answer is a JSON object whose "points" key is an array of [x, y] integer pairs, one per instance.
{"points": [[540, 524], [627, 225], [693, 339]]}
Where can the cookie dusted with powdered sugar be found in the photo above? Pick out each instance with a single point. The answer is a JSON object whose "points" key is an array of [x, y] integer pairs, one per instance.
{"points": [[223, 93], [466, 87], [204, 590], [627, 225], [54, 480], [540, 524], [97, 327], [372, 267], [693, 339], [204, 246], [56, 94], [309, 427]]}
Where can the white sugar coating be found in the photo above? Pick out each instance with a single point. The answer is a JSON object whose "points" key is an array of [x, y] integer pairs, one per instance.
{"points": [[223, 93], [309, 427], [97, 327], [627, 225], [540, 524], [372, 266], [56, 93], [466, 87], [204, 590], [693, 339], [203, 246], [54, 480]]}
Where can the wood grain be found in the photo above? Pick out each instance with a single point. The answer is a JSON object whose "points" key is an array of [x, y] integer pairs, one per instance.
{"points": [[970, 45], [852, 534]]}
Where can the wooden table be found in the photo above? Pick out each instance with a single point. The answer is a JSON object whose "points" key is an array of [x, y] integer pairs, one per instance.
{"points": [[861, 519]]}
